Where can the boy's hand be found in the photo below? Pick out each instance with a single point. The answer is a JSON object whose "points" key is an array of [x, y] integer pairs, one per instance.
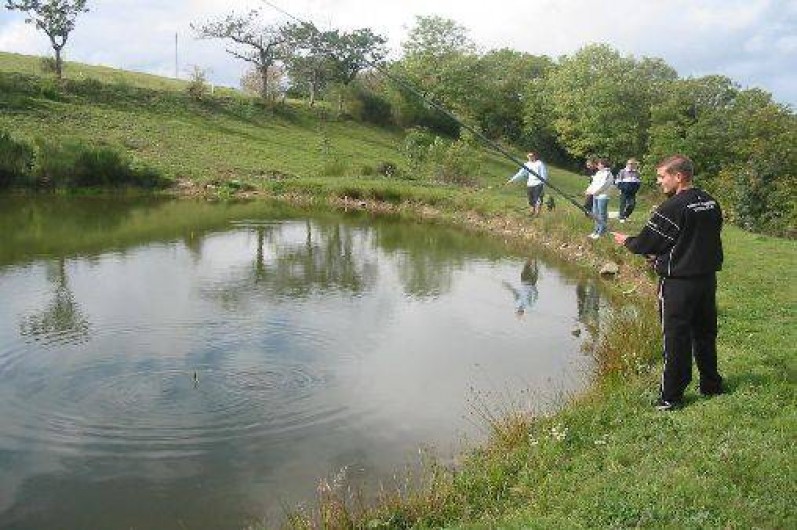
{"points": [[619, 238]]}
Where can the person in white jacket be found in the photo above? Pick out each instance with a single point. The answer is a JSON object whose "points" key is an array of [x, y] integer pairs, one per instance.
{"points": [[536, 175], [599, 187]]}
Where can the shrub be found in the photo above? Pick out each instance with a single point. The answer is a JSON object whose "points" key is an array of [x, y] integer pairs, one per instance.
{"points": [[386, 169], [73, 164], [47, 65], [16, 159], [198, 86], [366, 106]]}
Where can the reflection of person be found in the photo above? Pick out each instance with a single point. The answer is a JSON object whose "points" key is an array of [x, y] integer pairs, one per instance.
{"points": [[628, 183], [599, 189], [536, 175], [683, 239], [527, 294], [588, 300]]}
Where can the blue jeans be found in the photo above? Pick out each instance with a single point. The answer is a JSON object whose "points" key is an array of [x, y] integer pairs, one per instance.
{"points": [[600, 209]]}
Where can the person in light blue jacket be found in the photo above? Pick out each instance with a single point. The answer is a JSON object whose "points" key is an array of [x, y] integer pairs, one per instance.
{"points": [[602, 182], [536, 175]]}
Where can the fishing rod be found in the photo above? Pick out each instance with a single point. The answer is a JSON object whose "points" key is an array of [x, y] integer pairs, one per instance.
{"points": [[408, 85]]}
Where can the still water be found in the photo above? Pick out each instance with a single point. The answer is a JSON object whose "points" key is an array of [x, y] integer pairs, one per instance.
{"points": [[170, 364]]}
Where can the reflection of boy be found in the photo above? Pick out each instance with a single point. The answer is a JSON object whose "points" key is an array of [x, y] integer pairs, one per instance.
{"points": [[526, 296], [588, 300]]}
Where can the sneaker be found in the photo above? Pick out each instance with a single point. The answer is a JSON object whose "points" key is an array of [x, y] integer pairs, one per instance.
{"points": [[666, 406], [593, 236], [622, 220], [714, 391]]}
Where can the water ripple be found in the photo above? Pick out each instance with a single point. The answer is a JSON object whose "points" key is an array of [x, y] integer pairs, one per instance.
{"points": [[165, 413]]}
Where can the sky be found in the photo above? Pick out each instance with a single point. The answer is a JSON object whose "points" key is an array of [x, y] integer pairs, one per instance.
{"points": [[753, 42]]}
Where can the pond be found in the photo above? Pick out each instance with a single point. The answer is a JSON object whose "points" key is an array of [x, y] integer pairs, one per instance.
{"points": [[171, 363]]}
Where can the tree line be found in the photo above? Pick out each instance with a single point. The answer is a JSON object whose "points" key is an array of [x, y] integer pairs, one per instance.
{"points": [[595, 102]]}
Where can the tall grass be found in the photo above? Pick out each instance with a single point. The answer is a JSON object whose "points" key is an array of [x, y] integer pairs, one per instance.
{"points": [[16, 160]]}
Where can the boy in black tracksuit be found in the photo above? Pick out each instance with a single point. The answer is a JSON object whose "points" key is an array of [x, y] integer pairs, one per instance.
{"points": [[682, 238]]}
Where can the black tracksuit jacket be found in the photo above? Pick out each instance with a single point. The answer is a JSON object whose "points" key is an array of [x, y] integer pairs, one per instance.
{"points": [[684, 236]]}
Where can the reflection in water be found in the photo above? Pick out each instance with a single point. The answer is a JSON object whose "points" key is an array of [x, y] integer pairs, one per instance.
{"points": [[526, 294], [227, 369], [589, 299], [61, 320]]}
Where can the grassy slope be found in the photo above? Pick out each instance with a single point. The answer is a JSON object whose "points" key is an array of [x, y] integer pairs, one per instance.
{"points": [[728, 461]]}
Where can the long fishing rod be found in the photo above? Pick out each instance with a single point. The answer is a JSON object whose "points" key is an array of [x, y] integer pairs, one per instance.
{"points": [[408, 85]]}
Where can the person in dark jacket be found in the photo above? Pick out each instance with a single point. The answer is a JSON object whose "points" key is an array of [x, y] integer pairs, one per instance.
{"points": [[682, 239]]}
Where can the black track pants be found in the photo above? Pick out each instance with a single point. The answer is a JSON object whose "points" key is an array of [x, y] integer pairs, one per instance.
{"points": [[688, 311]]}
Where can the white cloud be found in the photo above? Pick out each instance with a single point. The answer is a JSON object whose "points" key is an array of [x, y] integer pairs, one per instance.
{"points": [[755, 40], [19, 37]]}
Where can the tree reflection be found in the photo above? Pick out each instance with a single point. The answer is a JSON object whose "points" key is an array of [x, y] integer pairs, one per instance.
{"points": [[427, 259], [61, 320], [322, 259]]}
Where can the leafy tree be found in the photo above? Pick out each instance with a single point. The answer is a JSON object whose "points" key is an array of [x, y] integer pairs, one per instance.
{"points": [[253, 42], [758, 183], [56, 18], [320, 58], [504, 76], [441, 61], [601, 101], [692, 118], [354, 52], [309, 63]]}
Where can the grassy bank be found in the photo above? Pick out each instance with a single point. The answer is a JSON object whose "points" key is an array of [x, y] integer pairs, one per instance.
{"points": [[607, 459]]}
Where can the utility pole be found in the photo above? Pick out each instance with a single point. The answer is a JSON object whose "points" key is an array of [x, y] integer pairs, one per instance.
{"points": [[176, 64]]}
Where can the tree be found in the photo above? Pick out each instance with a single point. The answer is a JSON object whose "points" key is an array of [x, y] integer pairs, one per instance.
{"points": [[56, 18], [601, 101], [504, 77], [254, 42], [318, 58], [441, 61], [758, 184], [692, 118], [308, 60]]}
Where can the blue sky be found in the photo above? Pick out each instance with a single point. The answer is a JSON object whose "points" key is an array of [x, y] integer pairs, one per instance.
{"points": [[754, 42]]}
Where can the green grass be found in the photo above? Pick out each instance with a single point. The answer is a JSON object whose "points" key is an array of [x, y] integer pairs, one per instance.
{"points": [[606, 459]]}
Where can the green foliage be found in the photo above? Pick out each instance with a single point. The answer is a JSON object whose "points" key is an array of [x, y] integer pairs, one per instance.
{"points": [[71, 164], [48, 65], [16, 159], [366, 106], [496, 99], [441, 160], [601, 101]]}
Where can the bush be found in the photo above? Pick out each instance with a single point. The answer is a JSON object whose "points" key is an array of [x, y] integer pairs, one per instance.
{"points": [[386, 169], [47, 65], [366, 106], [16, 159], [198, 86], [73, 164], [440, 159]]}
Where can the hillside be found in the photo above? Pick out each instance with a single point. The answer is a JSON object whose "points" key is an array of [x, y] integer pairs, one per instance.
{"points": [[727, 462]]}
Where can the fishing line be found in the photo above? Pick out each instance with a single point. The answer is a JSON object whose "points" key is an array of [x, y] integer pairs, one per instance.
{"points": [[408, 85]]}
